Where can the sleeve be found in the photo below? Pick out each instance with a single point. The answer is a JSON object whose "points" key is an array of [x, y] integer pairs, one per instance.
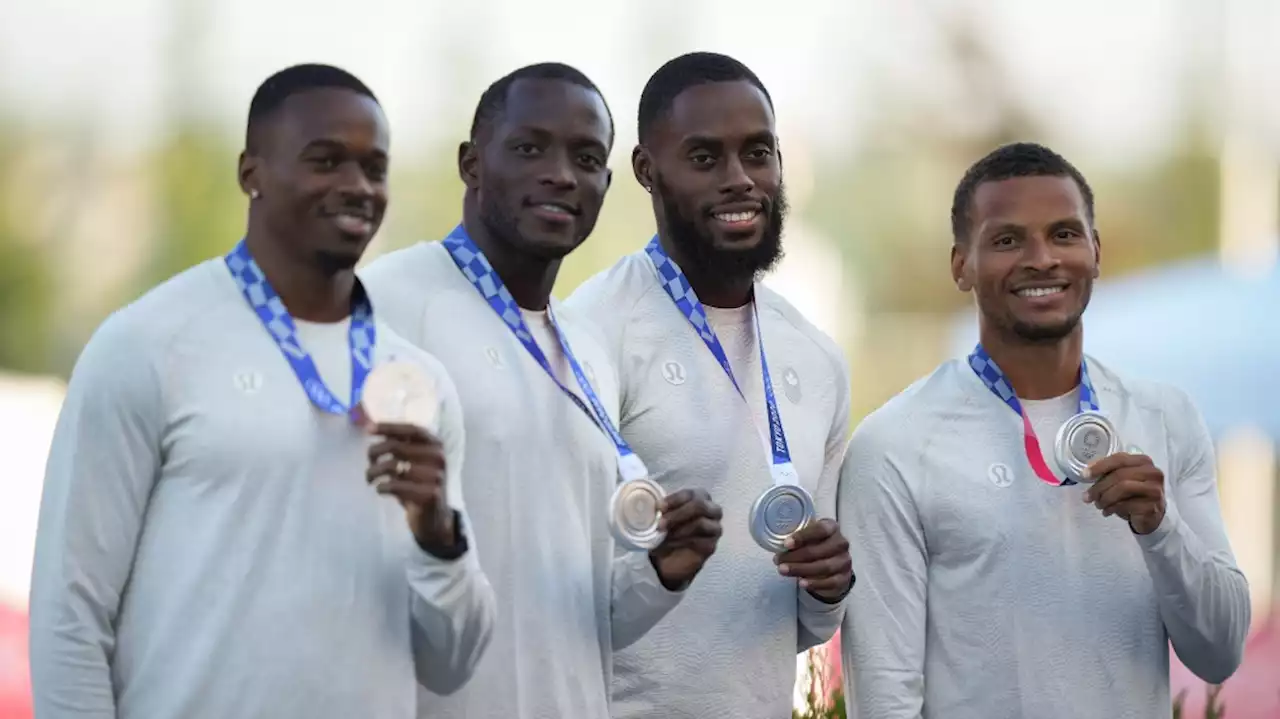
{"points": [[883, 634], [1202, 594], [817, 620], [638, 599], [453, 605], [103, 462]]}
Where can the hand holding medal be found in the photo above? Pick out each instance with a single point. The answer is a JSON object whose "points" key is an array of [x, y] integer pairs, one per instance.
{"points": [[690, 523], [1131, 486], [818, 555], [400, 403]]}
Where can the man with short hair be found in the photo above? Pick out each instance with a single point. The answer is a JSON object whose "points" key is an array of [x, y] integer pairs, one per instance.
{"points": [[1032, 528], [540, 397], [209, 544], [725, 386]]}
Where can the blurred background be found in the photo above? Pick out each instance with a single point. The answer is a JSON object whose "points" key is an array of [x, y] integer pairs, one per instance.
{"points": [[120, 124]]}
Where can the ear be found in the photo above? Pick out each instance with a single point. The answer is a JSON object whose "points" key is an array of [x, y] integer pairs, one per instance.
{"points": [[247, 172], [1097, 254], [642, 167], [608, 178], [959, 265], [469, 164]]}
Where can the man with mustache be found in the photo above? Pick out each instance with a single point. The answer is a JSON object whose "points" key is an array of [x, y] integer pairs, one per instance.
{"points": [[1034, 529], [725, 386], [540, 400], [209, 543]]}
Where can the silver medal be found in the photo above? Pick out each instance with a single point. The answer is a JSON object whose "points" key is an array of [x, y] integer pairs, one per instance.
{"points": [[1082, 440], [779, 512], [633, 514], [399, 393], [402, 393]]}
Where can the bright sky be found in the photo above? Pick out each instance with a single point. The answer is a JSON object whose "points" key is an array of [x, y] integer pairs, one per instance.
{"points": [[1103, 71]]}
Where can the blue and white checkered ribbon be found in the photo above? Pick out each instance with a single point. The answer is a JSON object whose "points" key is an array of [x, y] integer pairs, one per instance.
{"points": [[686, 300], [992, 376], [262, 298], [476, 268]]}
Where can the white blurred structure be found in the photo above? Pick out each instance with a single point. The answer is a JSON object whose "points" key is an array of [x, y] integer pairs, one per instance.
{"points": [[28, 412]]}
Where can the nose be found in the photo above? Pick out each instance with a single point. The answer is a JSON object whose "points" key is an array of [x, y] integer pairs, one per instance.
{"points": [[736, 181], [354, 182], [557, 171], [1038, 254]]}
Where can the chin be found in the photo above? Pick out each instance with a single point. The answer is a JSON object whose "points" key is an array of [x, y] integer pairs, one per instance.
{"points": [[340, 260], [550, 246], [1045, 331]]}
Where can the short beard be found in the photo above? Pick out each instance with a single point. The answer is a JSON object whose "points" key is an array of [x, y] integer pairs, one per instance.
{"points": [[499, 224], [332, 263], [696, 245], [1045, 334]]}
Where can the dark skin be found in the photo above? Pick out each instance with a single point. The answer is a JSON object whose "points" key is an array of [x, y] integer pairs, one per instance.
{"points": [[316, 173], [536, 178], [714, 152], [421, 490], [1036, 232]]}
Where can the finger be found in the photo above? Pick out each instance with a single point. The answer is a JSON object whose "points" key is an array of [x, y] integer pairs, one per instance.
{"points": [[688, 512], [404, 432], [834, 546], [703, 546], [1119, 460], [424, 495], [834, 583], [1126, 487], [673, 501], [816, 570], [701, 527], [431, 455], [813, 533], [389, 468], [1130, 508], [1104, 485]]}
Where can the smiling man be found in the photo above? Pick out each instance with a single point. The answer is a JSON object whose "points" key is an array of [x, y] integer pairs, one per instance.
{"points": [[1012, 570], [541, 401], [725, 386], [209, 544]]}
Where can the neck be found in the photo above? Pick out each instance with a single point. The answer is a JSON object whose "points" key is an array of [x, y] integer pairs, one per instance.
{"points": [[713, 290], [1037, 370], [307, 291], [529, 279]]}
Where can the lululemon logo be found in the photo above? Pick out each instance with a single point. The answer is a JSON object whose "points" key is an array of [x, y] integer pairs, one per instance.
{"points": [[1000, 475], [673, 373], [495, 359], [791, 385], [247, 381]]}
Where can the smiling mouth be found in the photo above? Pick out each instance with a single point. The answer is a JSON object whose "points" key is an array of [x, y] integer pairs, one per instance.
{"points": [[736, 217], [352, 223], [1035, 292]]}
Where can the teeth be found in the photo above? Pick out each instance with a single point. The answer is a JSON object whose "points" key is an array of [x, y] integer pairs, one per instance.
{"points": [[554, 208], [1039, 291], [736, 216]]}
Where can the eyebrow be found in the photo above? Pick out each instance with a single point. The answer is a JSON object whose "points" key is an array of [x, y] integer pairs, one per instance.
{"points": [[325, 143], [573, 140], [1070, 223], [764, 137]]}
